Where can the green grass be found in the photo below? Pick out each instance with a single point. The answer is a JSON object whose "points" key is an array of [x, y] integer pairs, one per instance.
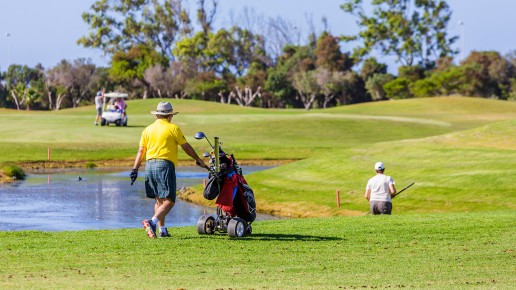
{"points": [[455, 177], [445, 251], [453, 229], [460, 152], [251, 133]]}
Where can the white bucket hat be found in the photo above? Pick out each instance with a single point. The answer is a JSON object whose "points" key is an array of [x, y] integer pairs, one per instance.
{"points": [[379, 166], [164, 109]]}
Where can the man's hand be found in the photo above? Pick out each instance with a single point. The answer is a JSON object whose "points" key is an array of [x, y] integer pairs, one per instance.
{"points": [[134, 175]]}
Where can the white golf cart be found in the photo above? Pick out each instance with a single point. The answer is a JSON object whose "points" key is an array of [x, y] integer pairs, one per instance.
{"points": [[110, 114]]}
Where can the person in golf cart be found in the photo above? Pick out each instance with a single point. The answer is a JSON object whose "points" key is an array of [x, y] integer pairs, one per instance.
{"points": [[120, 105], [380, 191], [111, 115]]}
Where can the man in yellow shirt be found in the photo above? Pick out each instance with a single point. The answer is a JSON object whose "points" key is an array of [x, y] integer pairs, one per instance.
{"points": [[159, 142]]}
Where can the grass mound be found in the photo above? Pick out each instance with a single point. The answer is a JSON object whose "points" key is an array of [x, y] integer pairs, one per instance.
{"points": [[12, 172]]}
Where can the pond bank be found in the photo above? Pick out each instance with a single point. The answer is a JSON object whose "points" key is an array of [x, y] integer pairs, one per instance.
{"points": [[129, 163]]}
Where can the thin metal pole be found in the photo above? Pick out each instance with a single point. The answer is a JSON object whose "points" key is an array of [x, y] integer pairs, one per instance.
{"points": [[217, 155], [8, 35]]}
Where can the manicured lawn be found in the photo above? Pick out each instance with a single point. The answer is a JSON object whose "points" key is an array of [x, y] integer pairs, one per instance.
{"points": [[460, 152], [438, 251], [455, 228]]}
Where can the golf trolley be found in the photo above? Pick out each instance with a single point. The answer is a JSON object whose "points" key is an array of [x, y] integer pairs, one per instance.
{"points": [[236, 206]]}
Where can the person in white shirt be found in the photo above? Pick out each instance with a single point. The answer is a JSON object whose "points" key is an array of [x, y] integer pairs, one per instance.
{"points": [[99, 102], [379, 191]]}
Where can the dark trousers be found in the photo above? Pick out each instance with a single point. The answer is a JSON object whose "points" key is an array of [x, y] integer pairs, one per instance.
{"points": [[380, 207]]}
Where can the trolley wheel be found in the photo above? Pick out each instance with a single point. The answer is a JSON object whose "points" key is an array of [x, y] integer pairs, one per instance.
{"points": [[237, 228], [206, 225]]}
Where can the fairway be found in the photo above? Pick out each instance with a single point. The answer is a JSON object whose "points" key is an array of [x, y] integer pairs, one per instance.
{"points": [[455, 228], [460, 152]]}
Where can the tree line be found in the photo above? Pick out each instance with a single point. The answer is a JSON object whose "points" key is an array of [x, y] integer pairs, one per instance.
{"points": [[156, 51]]}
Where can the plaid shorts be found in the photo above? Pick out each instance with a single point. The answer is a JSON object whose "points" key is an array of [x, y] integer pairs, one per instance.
{"points": [[160, 179]]}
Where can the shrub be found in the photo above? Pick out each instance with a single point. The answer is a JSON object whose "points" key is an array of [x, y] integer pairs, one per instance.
{"points": [[90, 165], [398, 89], [14, 171]]}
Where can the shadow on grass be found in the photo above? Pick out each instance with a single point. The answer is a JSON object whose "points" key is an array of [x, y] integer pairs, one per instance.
{"points": [[128, 126], [269, 237], [288, 237]]}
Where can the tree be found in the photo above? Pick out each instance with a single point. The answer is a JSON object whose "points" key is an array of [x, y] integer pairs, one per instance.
{"points": [[205, 86], [230, 54], [443, 81], [18, 81], [370, 67], [487, 74], [167, 81], [121, 25], [330, 83], [226, 52], [414, 31], [511, 59], [305, 83], [280, 34], [398, 89], [328, 55], [128, 68], [279, 77], [204, 17], [353, 90], [58, 83], [374, 85], [76, 80], [3, 91], [83, 81]]}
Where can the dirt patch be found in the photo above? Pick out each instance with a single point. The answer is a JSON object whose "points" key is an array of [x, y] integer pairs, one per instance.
{"points": [[4, 178], [129, 163]]}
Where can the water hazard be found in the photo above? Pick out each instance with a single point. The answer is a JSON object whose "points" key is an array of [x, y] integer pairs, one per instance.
{"points": [[92, 199]]}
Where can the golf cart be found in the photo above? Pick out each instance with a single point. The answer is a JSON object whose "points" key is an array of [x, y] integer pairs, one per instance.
{"points": [[111, 114]]}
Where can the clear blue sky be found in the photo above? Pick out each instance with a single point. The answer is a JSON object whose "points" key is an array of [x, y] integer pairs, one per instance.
{"points": [[46, 31]]}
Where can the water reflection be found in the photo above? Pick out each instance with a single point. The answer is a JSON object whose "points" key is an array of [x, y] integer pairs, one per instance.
{"points": [[82, 199]]}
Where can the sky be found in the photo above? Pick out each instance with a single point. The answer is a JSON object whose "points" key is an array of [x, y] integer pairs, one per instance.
{"points": [[46, 31]]}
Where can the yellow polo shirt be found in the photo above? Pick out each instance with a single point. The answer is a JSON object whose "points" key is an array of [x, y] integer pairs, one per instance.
{"points": [[161, 139]]}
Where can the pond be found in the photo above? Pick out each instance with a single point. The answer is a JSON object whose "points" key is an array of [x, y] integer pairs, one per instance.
{"points": [[93, 199]]}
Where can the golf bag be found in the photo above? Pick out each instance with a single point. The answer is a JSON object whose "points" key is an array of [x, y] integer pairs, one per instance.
{"points": [[234, 196], [236, 205]]}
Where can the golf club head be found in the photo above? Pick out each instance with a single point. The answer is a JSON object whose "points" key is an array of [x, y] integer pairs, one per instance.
{"points": [[206, 154], [199, 135]]}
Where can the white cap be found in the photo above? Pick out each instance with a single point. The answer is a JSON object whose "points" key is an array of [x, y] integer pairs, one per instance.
{"points": [[379, 166]]}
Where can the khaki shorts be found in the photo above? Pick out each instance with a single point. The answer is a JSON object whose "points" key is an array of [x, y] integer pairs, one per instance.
{"points": [[380, 207]]}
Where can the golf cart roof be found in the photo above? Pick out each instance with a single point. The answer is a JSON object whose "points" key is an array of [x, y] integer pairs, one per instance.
{"points": [[116, 95]]}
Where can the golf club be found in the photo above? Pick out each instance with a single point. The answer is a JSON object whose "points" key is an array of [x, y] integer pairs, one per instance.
{"points": [[404, 188], [200, 135]]}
